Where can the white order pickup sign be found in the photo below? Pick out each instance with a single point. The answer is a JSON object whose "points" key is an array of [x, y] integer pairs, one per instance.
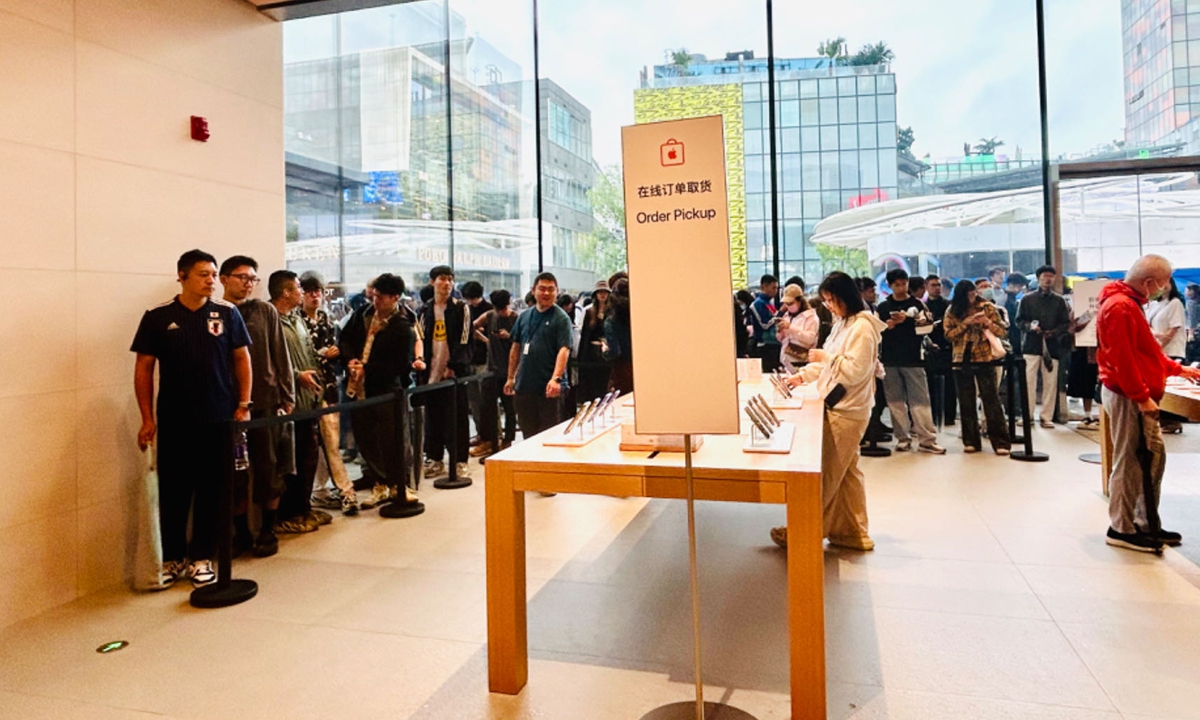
{"points": [[677, 229]]}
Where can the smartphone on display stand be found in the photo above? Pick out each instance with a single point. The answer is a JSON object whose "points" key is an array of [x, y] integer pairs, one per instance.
{"points": [[576, 420], [766, 408], [756, 418]]}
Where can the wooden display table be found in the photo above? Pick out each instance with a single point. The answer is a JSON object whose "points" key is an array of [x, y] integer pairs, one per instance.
{"points": [[1179, 400], [721, 472]]}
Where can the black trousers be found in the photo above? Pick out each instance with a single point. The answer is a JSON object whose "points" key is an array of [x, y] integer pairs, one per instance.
{"points": [[489, 427], [380, 444], [189, 478], [437, 425], [875, 428], [945, 406], [768, 355], [983, 376], [297, 492], [537, 413]]}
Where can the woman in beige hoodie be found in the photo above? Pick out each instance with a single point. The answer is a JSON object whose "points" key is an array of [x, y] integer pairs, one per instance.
{"points": [[844, 373]]}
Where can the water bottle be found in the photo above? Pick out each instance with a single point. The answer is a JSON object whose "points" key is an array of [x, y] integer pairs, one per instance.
{"points": [[241, 459]]}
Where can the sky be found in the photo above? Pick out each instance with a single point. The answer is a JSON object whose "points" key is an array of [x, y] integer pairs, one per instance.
{"points": [[965, 69]]}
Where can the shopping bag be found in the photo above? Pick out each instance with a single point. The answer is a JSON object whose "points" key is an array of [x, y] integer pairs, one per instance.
{"points": [[144, 539], [998, 351], [671, 153]]}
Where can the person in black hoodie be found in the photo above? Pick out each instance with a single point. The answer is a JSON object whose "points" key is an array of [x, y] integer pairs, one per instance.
{"points": [[445, 329], [377, 344]]}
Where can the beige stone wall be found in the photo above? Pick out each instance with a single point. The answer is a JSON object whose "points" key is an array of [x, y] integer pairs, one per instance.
{"points": [[100, 190]]}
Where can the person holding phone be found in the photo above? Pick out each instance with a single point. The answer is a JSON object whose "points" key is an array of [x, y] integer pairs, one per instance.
{"points": [[966, 324], [844, 372]]}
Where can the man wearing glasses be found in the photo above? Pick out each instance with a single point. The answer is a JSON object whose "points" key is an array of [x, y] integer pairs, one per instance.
{"points": [[271, 453]]}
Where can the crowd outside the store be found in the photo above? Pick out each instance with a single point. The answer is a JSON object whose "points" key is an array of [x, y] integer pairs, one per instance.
{"points": [[931, 359]]}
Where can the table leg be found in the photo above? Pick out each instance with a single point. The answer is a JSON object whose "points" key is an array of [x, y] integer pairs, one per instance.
{"points": [[1106, 451], [806, 598], [508, 647]]}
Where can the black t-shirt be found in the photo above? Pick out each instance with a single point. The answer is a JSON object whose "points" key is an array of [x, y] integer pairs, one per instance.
{"points": [[194, 349], [901, 345], [937, 310], [479, 351], [498, 348]]}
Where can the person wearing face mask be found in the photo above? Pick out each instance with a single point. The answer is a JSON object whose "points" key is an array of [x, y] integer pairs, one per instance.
{"points": [[797, 327], [1045, 320], [1134, 371]]}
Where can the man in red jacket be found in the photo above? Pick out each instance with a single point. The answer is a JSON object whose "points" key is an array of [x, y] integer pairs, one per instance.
{"points": [[1134, 371]]}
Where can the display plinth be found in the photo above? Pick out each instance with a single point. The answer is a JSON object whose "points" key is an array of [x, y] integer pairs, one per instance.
{"points": [[780, 443], [574, 438], [687, 711]]}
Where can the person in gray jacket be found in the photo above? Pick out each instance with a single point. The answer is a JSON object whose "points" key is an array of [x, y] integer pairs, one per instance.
{"points": [[1045, 322]]}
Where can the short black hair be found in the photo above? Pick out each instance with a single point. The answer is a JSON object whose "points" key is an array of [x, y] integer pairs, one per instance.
{"points": [[846, 290], [500, 299], [744, 297], [235, 262], [545, 277], [188, 260], [426, 293], [312, 280], [896, 274], [1045, 269], [795, 280], [995, 269], [1017, 279], [530, 299], [472, 290], [768, 279], [564, 300], [863, 283], [931, 277], [915, 283], [276, 281], [437, 271], [389, 284]]}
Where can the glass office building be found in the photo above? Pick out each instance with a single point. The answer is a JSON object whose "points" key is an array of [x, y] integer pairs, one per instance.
{"points": [[1161, 43]]}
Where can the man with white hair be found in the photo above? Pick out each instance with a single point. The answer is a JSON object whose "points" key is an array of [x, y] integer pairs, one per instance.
{"points": [[1134, 371]]}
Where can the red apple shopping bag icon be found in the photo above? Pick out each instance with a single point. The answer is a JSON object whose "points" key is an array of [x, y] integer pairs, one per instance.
{"points": [[672, 153]]}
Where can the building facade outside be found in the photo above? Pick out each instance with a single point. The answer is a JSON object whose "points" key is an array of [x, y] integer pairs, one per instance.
{"points": [[836, 147], [1161, 45]]}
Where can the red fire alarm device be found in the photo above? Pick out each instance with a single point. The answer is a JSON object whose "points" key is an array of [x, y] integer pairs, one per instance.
{"points": [[200, 129]]}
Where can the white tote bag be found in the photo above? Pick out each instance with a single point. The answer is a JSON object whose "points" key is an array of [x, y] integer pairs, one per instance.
{"points": [[143, 554]]}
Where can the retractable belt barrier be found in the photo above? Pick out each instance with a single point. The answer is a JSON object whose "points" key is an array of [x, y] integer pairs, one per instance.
{"points": [[1018, 391], [227, 591]]}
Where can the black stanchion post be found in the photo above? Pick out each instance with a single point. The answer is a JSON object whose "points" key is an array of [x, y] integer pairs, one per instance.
{"points": [[399, 507], [418, 442], [226, 591], [452, 481], [1026, 455], [1010, 368]]}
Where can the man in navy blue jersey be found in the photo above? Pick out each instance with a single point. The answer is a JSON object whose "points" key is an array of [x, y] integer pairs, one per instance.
{"points": [[201, 348]]}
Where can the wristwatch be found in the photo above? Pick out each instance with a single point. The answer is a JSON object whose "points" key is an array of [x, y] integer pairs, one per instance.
{"points": [[248, 405]]}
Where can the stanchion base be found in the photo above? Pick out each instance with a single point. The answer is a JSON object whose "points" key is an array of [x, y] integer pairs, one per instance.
{"points": [[1022, 456], [401, 509], [874, 451], [1093, 458], [446, 484], [214, 596], [1017, 440], [687, 711]]}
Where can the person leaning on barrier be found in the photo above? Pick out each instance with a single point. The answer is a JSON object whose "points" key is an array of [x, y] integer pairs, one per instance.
{"points": [[965, 324], [445, 329], [324, 335], [377, 344], [270, 449], [296, 514], [1134, 372], [200, 346], [844, 373]]}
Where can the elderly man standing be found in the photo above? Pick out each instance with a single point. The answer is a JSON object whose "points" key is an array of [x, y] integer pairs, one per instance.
{"points": [[1134, 371]]}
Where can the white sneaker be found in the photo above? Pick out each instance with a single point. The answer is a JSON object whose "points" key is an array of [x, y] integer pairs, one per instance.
{"points": [[201, 572], [904, 446], [379, 495], [462, 470], [171, 571]]}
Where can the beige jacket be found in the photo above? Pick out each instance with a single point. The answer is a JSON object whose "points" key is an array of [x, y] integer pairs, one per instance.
{"points": [[852, 354]]}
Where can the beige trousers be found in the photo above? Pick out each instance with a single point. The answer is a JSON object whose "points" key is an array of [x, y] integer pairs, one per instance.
{"points": [[330, 442], [842, 488]]}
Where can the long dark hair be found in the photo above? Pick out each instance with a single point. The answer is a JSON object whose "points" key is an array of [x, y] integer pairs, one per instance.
{"points": [[619, 299], [842, 286], [1174, 294], [961, 302]]}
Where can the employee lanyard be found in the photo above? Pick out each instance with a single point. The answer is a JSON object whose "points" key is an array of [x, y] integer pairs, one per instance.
{"points": [[536, 330]]}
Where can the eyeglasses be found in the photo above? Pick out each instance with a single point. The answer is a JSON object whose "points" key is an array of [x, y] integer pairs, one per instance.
{"points": [[247, 279]]}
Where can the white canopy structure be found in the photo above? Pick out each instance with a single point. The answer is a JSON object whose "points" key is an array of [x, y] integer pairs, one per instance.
{"points": [[1107, 222]]}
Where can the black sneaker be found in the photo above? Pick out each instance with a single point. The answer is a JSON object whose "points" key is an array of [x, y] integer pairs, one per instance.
{"points": [[266, 545], [1166, 537], [1134, 541]]}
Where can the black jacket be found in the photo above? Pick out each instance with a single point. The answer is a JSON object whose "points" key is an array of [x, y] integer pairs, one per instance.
{"points": [[390, 364], [459, 337], [1053, 316]]}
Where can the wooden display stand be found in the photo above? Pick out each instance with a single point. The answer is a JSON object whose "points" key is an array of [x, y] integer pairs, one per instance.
{"points": [[722, 472]]}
